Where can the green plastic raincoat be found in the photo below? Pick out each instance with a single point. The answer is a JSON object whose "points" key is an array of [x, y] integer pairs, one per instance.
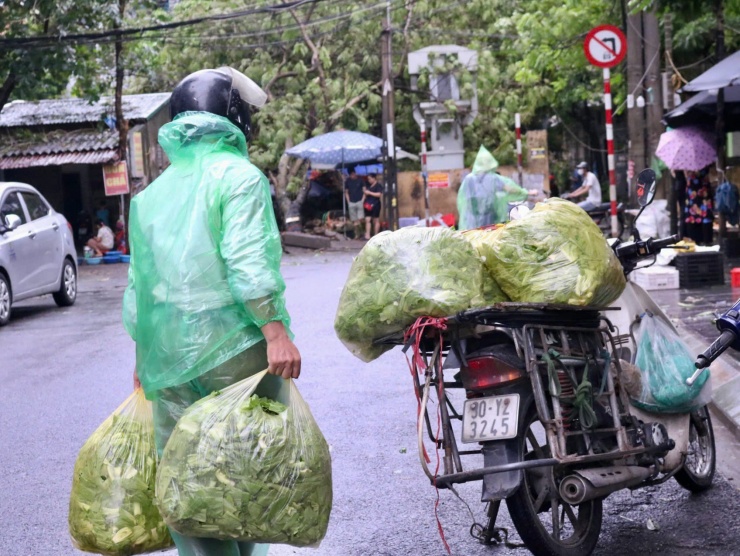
{"points": [[484, 195], [205, 256]]}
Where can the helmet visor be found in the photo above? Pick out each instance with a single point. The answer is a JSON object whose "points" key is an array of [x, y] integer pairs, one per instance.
{"points": [[249, 91]]}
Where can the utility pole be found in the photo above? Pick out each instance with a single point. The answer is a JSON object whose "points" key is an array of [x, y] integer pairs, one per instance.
{"points": [[635, 112], [121, 123], [653, 85], [673, 208], [720, 123], [390, 198]]}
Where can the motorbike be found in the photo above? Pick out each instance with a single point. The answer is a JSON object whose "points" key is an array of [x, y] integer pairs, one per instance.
{"points": [[535, 393], [602, 217]]}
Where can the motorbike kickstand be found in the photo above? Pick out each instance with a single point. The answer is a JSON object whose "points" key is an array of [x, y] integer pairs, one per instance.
{"points": [[490, 535]]}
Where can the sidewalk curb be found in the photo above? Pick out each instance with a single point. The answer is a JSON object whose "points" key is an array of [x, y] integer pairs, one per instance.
{"points": [[725, 402]]}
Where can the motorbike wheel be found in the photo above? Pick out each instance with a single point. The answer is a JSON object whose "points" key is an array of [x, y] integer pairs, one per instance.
{"points": [[701, 460], [547, 525]]}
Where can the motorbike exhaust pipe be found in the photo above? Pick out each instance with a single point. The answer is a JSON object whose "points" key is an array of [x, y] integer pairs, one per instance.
{"points": [[587, 484]]}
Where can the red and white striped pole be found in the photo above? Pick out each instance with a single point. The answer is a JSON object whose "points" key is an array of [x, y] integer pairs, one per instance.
{"points": [[424, 168], [518, 126], [610, 150]]}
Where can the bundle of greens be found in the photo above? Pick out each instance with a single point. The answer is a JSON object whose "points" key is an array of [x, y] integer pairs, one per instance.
{"points": [[491, 292], [400, 276], [242, 467], [111, 507], [555, 254]]}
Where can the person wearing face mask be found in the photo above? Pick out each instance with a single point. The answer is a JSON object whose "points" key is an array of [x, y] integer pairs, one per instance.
{"points": [[590, 186]]}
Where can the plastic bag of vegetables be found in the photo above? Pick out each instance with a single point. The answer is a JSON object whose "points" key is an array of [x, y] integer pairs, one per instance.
{"points": [[665, 363], [247, 468], [554, 254], [111, 507], [400, 276]]}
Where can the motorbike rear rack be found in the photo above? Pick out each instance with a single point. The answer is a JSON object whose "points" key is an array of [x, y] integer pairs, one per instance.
{"points": [[575, 348]]}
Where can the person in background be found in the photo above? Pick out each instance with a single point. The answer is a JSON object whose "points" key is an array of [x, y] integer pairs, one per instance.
{"points": [[103, 213], [104, 241], [699, 207], [590, 187], [354, 194], [680, 186], [120, 239], [554, 189], [372, 194]]}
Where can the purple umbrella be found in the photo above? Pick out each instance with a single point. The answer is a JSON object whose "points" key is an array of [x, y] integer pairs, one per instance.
{"points": [[687, 148]]}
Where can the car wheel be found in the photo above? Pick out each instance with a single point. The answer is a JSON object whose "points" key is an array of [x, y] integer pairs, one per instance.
{"points": [[4, 300], [68, 287]]}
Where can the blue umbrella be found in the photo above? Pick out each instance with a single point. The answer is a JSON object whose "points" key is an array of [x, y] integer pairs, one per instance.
{"points": [[338, 147]]}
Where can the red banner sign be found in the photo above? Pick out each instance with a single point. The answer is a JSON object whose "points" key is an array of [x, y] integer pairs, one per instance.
{"points": [[115, 178]]}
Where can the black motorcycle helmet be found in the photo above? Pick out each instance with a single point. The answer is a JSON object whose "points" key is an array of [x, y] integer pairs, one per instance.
{"points": [[224, 91]]}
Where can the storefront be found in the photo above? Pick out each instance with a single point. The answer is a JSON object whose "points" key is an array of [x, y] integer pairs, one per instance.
{"points": [[61, 147]]}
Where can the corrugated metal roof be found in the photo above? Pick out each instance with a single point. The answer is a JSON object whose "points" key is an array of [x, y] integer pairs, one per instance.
{"points": [[96, 157], [78, 110], [21, 149]]}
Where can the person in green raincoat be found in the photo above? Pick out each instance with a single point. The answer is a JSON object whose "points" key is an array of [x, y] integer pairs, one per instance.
{"points": [[204, 302], [484, 195]]}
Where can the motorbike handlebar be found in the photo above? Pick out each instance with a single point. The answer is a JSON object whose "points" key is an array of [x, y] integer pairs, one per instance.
{"points": [[632, 252], [659, 244], [717, 348]]}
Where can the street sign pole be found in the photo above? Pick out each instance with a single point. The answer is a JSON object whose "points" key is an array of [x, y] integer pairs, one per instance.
{"points": [[610, 151], [518, 126], [605, 47], [424, 169]]}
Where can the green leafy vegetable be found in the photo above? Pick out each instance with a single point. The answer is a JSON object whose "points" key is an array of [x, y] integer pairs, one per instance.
{"points": [[400, 276], [247, 468], [111, 507], [556, 254]]}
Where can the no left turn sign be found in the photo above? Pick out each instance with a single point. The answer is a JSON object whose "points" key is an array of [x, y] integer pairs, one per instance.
{"points": [[605, 46]]}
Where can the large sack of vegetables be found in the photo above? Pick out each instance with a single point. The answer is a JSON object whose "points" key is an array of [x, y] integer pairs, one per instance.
{"points": [[111, 507], [243, 467], [491, 292], [400, 276], [554, 254]]}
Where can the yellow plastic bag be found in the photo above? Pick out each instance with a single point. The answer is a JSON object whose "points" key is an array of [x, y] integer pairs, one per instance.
{"points": [[243, 467], [111, 506]]}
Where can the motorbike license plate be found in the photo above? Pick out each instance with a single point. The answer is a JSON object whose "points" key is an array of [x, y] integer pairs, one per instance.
{"points": [[493, 418]]}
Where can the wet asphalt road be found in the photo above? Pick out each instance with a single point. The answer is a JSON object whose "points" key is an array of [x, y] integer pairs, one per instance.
{"points": [[64, 370]]}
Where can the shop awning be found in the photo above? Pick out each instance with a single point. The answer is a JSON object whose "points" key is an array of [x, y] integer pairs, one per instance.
{"points": [[701, 110], [24, 149], [722, 74]]}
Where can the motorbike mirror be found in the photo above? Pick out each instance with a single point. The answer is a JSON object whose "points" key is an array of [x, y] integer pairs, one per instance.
{"points": [[646, 187]]}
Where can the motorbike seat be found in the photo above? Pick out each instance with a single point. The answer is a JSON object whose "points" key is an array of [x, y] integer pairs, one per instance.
{"points": [[605, 207]]}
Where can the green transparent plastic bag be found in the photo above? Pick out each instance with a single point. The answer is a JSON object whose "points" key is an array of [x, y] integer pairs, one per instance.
{"points": [[245, 468], [555, 254], [665, 363], [400, 276], [111, 506]]}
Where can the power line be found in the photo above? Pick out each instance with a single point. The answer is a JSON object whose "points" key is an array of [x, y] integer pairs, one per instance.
{"points": [[16, 42]]}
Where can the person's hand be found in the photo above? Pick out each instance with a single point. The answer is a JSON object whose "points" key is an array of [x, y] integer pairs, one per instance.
{"points": [[137, 383], [283, 357]]}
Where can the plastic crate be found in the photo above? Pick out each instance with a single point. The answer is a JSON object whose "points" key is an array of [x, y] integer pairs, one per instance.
{"points": [[700, 269], [656, 278]]}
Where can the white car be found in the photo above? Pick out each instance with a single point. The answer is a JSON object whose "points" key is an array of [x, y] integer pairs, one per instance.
{"points": [[37, 252]]}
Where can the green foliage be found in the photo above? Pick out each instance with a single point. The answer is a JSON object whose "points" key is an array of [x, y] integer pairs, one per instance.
{"points": [[84, 68]]}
